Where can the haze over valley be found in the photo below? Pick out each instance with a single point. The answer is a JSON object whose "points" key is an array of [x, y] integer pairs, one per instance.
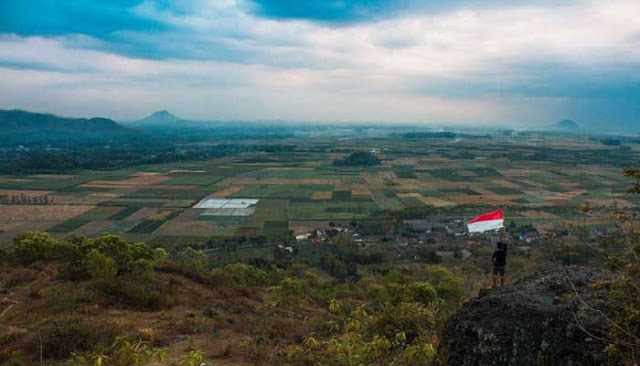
{"points": [[312, 183]]}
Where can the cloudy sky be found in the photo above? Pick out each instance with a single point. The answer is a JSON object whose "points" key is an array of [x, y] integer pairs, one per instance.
{"points": [[475, 62]]}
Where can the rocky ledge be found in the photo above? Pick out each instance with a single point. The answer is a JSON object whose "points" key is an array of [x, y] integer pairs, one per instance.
{"points": [[538, 320]]}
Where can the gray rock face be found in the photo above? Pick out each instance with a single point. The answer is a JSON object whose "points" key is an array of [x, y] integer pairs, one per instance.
{"points": [[538, 320]]}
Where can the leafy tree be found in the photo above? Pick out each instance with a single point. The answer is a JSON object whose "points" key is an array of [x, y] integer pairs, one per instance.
{"points": [[29, 247], [423, 292], [118, 270], [446, 284], [101, 268], [359, 158]]}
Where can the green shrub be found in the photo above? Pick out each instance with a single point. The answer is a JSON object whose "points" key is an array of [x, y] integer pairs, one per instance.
{"points": [[289, 291], [191, 263], [446, 284], [100, 267], [136, 291], [121, 352], [423, 292], [238, 279], [58, 339], [30, 247], [377, 294], [118, 271]]}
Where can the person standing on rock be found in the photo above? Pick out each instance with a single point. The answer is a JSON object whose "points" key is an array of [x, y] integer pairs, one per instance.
{"points": [[493, 221], [499, 260]]}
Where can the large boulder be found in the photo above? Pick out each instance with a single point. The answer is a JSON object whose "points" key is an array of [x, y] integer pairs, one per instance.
{"points": [[539, 320]]}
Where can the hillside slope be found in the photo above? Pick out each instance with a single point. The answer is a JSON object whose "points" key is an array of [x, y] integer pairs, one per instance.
{"points": [[64, 298], [29, 127]]}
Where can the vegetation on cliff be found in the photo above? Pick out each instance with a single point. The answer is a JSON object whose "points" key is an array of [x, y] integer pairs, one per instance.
{"points": [[84, 301]]}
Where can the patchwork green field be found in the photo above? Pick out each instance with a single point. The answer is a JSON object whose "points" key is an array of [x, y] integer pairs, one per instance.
{"points": [[533, 178]]}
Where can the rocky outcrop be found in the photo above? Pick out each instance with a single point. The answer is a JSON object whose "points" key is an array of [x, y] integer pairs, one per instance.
{"points": [[539, 320]]}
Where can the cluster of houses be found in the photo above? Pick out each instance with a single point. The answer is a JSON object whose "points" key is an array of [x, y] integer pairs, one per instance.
{"points": [[423, 231]]}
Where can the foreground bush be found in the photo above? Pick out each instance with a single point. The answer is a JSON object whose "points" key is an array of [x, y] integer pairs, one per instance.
{"points": [[118, 271], [397, 324], [57, 339]]}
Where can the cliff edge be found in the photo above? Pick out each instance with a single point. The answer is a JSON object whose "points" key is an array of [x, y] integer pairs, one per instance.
{"points": [[538, 320]]}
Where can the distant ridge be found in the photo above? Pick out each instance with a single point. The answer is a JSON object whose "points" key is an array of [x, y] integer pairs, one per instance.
{"points": [[159, 118], [23, 127], [565, 125], [18, 121]]}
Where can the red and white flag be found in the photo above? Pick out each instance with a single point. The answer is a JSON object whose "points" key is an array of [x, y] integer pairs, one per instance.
{"points": [[489, 221]]}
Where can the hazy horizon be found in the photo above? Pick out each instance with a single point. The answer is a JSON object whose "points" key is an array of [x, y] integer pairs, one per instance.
{"points": [[459, 63]]}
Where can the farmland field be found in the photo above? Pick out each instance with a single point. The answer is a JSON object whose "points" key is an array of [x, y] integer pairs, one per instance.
{"points": [[534, 178]]}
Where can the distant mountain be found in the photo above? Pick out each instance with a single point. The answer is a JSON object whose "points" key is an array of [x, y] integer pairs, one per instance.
{"points": [[23, 126], [159, 118], [17, 121], [565, 125]]}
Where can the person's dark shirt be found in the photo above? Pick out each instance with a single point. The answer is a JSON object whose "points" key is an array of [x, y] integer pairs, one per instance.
{"points": [[500, 257]]}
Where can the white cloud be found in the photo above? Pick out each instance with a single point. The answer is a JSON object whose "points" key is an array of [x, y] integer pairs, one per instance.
{"points": [[302, 70]]}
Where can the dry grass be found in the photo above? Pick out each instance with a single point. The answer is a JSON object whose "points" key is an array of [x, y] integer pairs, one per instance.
{"points": [[15, 180], [189, 214], [506, 184], [374, 182], [543, 214], [387, 175], [430, 201], [10, 225], [322, 195], [142, 214], [94, 228], [78, 199], [36, 213], [519, 173], [342, 187], [142, 180], [570, 184], [611, 202], [565, 196], [19, 192], [105, 184], [492, 199], [147, 174], [361, 191], [160, 214], [301, 181], [105, 194], [187, 228], [179, 327], [226, 192], [406, 161], [17, 276], [408, 187]]}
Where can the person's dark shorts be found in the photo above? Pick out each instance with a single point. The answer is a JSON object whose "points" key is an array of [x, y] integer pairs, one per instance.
{"points": [[498, 270]]}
